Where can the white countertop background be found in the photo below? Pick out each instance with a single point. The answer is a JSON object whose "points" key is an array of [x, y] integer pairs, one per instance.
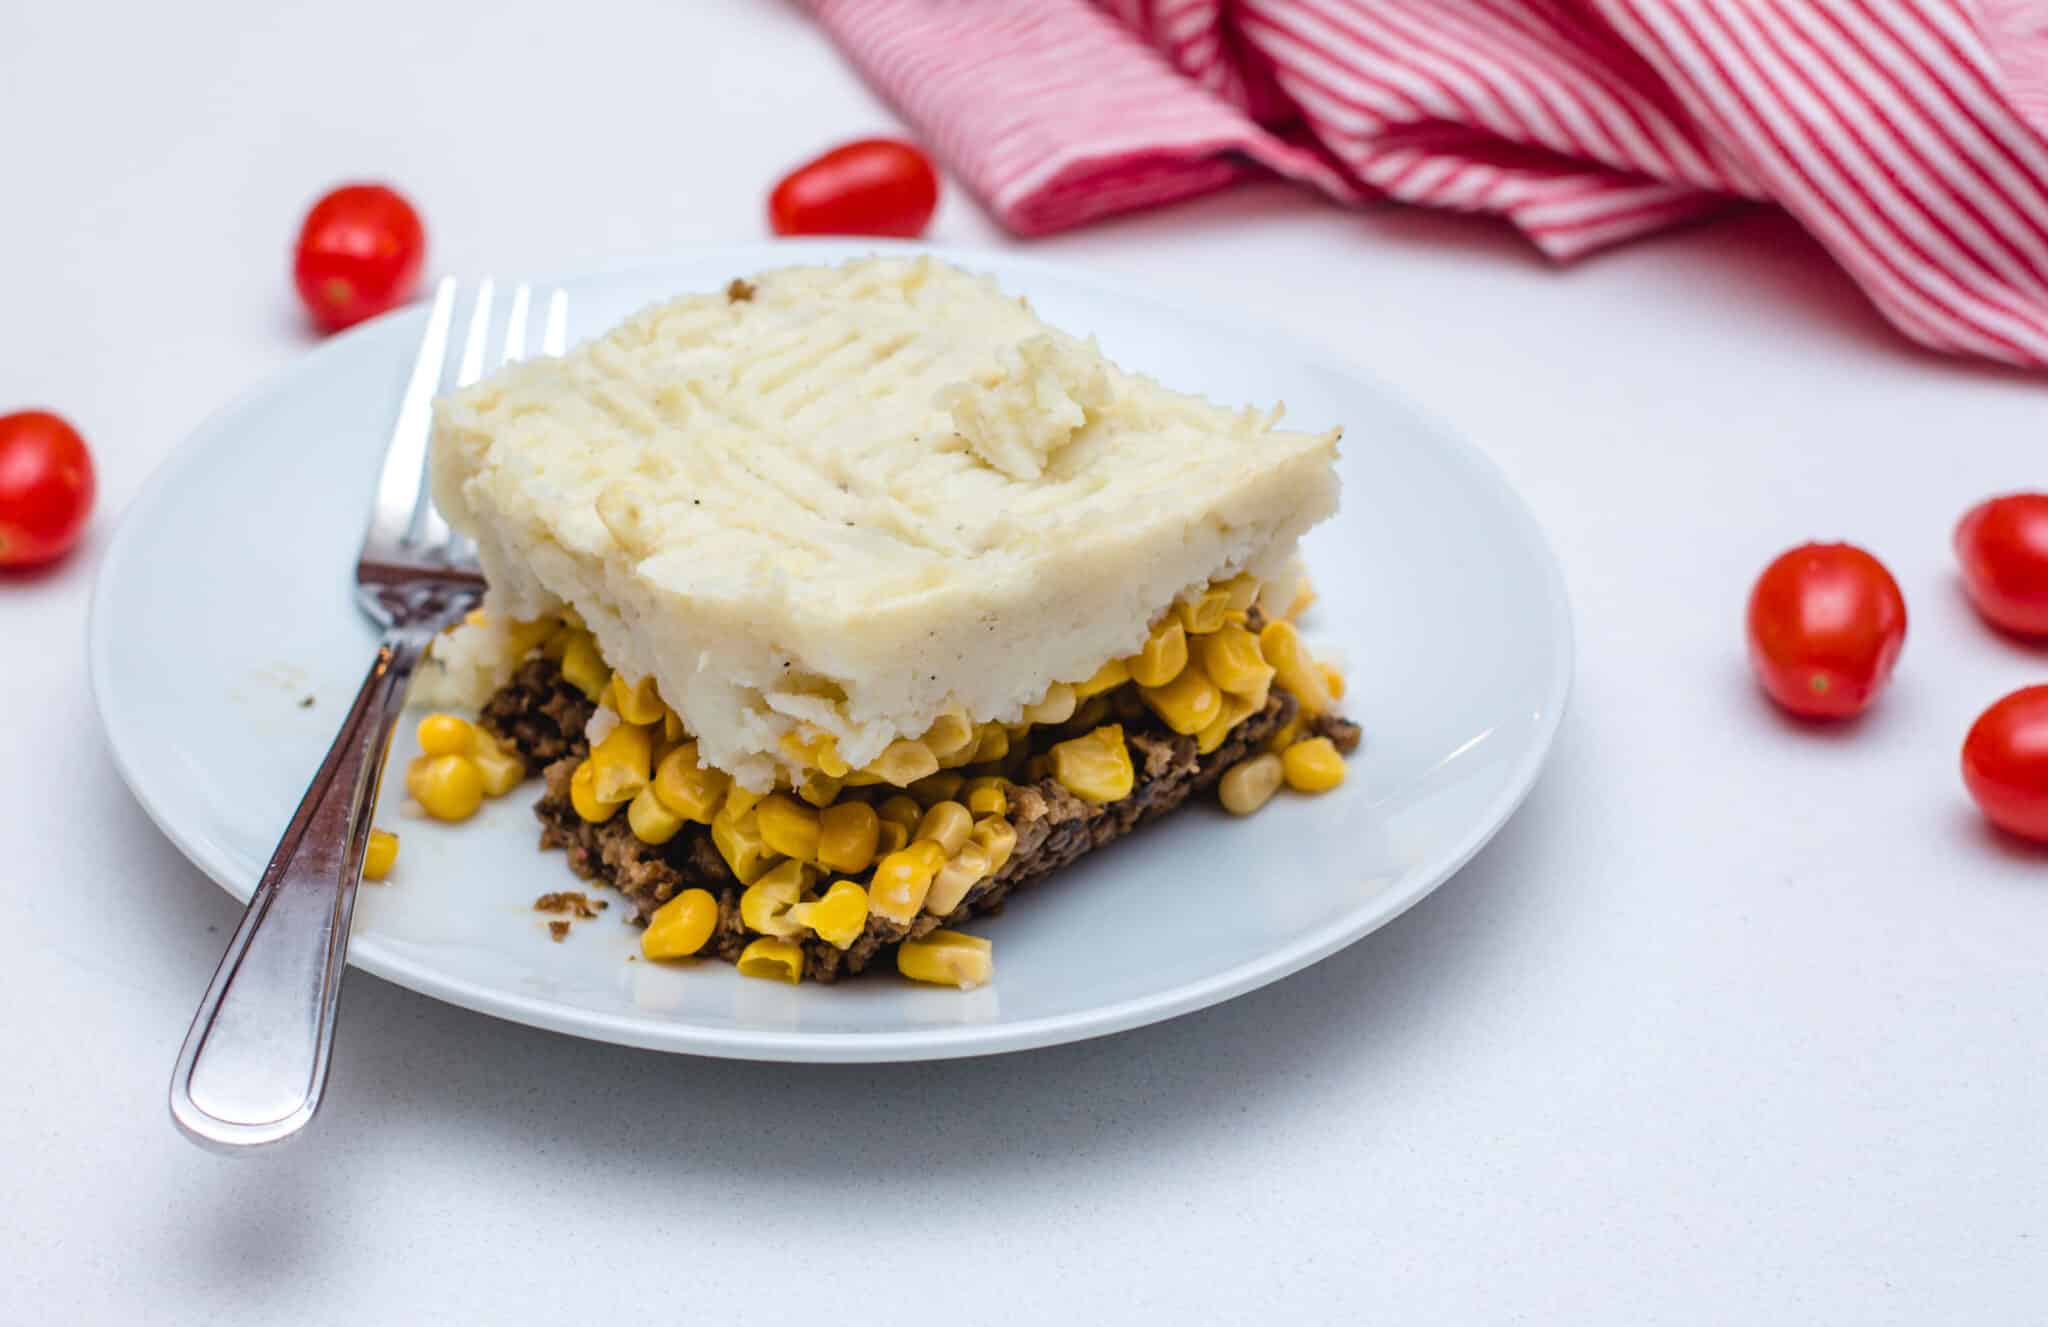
{"points": [[1734, 1022]]}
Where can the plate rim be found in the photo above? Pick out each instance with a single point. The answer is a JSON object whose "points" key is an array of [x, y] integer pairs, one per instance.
{"points": [[204, 852]]}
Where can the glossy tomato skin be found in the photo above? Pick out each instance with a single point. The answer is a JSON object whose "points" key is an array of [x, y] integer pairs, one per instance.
{"points": [[46, 488], [2005, 763], [2003, 546], [360, 252], [1826, 623], [876, 186]]}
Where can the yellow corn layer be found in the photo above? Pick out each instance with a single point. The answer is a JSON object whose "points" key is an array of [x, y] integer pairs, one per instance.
{"points": [[947, 958], [498, 763], [903, 762], [381, 855], [681, 926], [776, 960], [901, 809], [894, 837], [1056, 707], [1333, 678]]}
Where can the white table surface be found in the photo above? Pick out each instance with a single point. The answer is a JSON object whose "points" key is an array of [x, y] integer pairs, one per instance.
{"points": [[1733, 1023]]}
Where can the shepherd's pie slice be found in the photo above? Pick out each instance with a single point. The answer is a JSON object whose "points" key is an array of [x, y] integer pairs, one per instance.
{"points": [[842, 502]]}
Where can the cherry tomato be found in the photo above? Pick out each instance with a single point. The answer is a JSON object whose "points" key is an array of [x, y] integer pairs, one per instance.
{"points": [[2003, 546], [46, 488], [360, 252], [2005, 763], [877, 186], [1825, 625]]}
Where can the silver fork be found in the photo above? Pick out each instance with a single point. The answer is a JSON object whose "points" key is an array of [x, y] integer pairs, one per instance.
{"points": [[254, 1063]]}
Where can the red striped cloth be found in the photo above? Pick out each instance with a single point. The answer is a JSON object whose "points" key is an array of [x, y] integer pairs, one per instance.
{"points": [[1909, 136]]}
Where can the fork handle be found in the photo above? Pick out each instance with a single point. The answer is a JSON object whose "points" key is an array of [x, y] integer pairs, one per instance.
{"points": [[254, 1063]]}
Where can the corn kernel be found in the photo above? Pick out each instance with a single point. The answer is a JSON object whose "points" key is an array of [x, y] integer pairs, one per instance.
{"points": [[988, 796], [1285, 735], [446, 735], [681, 926], [955, 878], [687, 789], [839, 917], [740, 799], [766, 903], [1056, 707], [583, 796], [1236, 709], [937, 788], [903, 809], [901, 881], [1203, 613], [1095, 767], [817, 749], [947, 824], [848, 834], [1293, 669], [1249, 784], [381, 855], [556, 643], [860, 778], [1091, 713], [950, 734], [1333, 678], [738, 840], [926, 853], [1164, 655], [777, 960], [1188, 704], [449, 787], [820, 790], [1240, 592], [622, 763], [584, 668], [788, 826], [1106, 678], [672, 730], [998, 838], [1231, 658], [1313, 766], [947, 958], [499, 763], [994, 744], [903, 762], [1304, 596], [893, 837], [635, 702], [650, 819]]}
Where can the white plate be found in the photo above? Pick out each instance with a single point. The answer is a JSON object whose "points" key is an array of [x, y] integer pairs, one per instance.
{"points": [[224, 602]]}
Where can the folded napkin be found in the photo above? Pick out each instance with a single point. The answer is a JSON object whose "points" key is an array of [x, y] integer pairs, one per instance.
{"points": [[1909, 136]]}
